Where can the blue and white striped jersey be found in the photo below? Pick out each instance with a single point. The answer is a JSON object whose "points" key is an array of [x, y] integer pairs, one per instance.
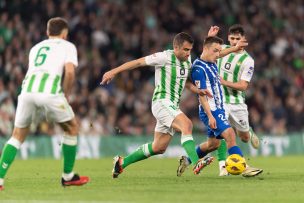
{"points": [[205, 75]]}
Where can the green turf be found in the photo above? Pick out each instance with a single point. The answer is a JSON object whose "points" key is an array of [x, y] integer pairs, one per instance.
{"points": [[155, 180]]}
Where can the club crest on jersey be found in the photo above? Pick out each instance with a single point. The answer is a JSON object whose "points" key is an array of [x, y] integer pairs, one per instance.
{"points": [[227, 66], [198, 83]]}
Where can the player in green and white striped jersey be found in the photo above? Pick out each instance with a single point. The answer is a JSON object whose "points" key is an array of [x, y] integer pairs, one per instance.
{"points": [[171, 72], [41, 90], [236, 71]]}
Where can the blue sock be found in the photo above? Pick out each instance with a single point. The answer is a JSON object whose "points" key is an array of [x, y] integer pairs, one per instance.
{"points": [[235, 150], [199, 152]]}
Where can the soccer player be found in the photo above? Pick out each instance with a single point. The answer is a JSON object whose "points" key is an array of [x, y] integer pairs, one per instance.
{"points": [[236, 70], [41, 90], [171, 72], [205, 76]]}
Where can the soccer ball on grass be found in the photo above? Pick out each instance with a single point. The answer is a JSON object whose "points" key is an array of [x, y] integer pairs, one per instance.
{"points": [[235, 164]]}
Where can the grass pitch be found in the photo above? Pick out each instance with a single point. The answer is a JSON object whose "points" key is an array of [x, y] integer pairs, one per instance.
{"points": [[155, 180]]}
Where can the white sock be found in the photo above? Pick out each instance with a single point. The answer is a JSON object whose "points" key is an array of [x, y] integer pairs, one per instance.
{"points": [[222, 164], [67, 176], [1, 181]]}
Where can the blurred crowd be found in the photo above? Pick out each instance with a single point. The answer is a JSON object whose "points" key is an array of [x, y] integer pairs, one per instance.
{"points": [[108, 33]]}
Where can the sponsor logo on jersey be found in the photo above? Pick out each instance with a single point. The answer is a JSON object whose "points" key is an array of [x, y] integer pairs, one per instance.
{"points": [[227, 66]]}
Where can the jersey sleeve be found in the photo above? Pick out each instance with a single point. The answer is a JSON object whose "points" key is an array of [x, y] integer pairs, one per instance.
{"points": [[71, 55], [198, 77], [156, 59], [248, 69]]}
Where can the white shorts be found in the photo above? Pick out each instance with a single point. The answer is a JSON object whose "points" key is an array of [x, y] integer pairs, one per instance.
{"points": [[238, 116], [165, 112], [55, 108]]}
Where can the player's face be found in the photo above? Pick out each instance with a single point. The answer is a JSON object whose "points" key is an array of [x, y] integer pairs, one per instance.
{"points": [[212, 52], [234, 38], [183, 52]]}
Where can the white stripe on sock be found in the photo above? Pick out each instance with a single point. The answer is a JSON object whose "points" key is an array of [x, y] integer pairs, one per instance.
{"points": [[146, 150], [67, 176], [14, 142], [186, 138], [69, 140]]}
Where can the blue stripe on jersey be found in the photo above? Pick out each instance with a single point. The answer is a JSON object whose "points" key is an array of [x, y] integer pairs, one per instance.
{"points": [[206, 74]]}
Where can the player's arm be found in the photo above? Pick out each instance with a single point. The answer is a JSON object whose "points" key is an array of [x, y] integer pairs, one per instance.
{"points": [[238, 47], [108, 76], [69, 78], [195, 90], [241, 85], [247, 73], [204, 102], [198, 77]]}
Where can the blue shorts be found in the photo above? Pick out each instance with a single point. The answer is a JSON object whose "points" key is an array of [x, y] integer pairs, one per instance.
{"points": [[221, 122]]}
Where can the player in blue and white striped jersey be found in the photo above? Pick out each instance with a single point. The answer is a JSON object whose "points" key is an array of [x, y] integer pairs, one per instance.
{"points": [[205, 76]]}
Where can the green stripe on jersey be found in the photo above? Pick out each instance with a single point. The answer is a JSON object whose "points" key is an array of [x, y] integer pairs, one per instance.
{"points": [[181, 84], [226, 92], [173, 78], [42, 82], [236, 74], [163, 83], [231, 57], [55, 84], [30, 86], [220, 65]]}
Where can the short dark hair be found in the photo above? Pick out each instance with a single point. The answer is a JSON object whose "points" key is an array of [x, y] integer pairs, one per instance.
{"points": [[56, 25], [212, 39], [181, 37], [236, 29]]}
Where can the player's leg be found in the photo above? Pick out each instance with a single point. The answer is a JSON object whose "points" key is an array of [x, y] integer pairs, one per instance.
{"points": [[249, 136], [58, 109], [229, 136], [221, 156], [183, 124], [158, 146], [202, 150], [24, 112], [239, 119], [10, 150]]}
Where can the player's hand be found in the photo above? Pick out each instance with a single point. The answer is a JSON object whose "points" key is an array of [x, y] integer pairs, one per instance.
{"points": [[213, 31], [241, 44], [107, 77], [223, 82], [204, 92], [212, 122]]}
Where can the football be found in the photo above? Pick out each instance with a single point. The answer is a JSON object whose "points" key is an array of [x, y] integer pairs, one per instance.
{"points": [[235, 164]]}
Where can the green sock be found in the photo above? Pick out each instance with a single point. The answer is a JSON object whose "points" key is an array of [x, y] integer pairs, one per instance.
{"points": [[8, 155], [222, 151], [189, 146], [141, 153], [69, 149]]}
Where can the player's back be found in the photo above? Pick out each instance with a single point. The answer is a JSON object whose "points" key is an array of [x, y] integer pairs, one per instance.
{"points": [[46, 65]]}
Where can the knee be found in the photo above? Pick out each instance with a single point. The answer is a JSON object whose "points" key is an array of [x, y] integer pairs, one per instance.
{"points": [[72, 128], [245, 137], [214, 146], [159, 149]]}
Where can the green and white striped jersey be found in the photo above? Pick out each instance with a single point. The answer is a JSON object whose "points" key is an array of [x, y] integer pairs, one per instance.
{"points": [[47, 60], [170, 75], [235, 67]]}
